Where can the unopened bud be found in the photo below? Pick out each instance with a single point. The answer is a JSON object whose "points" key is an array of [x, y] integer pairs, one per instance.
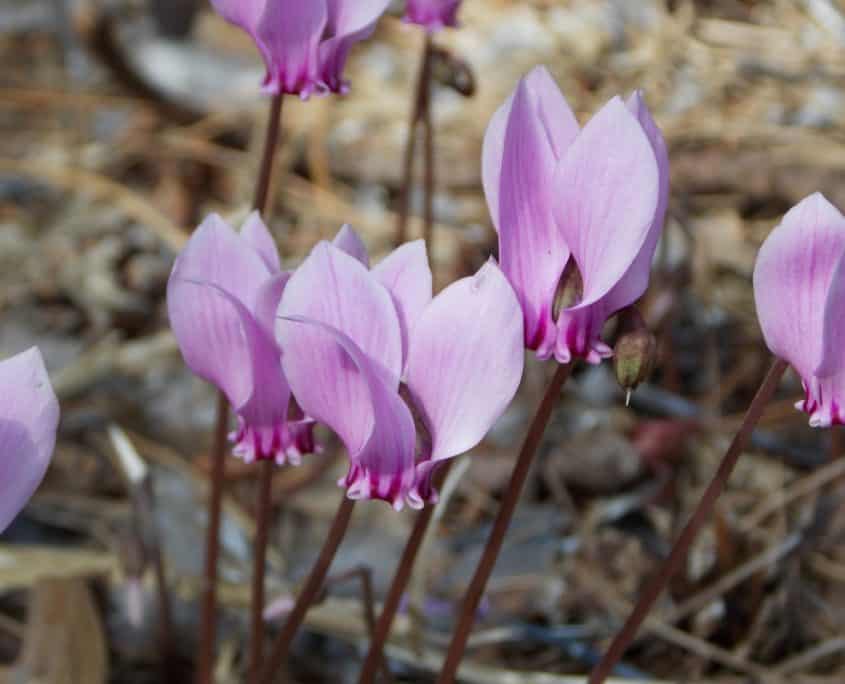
{"points": [[570, 289], [452, 71], [634, 353]]}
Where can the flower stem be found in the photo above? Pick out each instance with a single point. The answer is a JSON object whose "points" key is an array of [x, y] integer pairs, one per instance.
{"points": [[500, 526], [208, 615], [310, 591], [688, 534], [262, 525], [428, 151], [421, 98], [397, 588]]}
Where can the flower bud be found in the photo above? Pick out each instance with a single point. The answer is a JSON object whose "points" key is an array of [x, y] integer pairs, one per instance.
{"points": [[634, 353], [570, 289]]}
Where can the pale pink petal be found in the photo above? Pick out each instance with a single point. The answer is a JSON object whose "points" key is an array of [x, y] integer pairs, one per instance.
{"points": [[798, 287], [335, 382], [349, 21], [466, 360], [607, 187], [555, 117], [336, 289], [265, 305], [348, 240], [532, 251], [290, 31], [433, 14], [407, 276], [243, 13], [29, 418], [255, 234]]}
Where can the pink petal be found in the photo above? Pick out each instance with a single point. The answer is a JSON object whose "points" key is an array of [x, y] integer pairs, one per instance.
{"points": [[217, 255], [532, 251], [243, 13], [29, 418], [555, 116], [466, 360], [407, 276], [348, 240], [334, 288], [798, 287], [255, 234], [350, 21], [290, 31], [266, 302], [607, 197], [433, 14], [337, 383]]}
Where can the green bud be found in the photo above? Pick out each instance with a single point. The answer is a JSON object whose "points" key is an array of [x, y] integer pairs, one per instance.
{"points": [[635, 352]]}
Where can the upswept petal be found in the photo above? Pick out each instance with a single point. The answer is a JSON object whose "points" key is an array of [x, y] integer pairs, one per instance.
{"points": [[348, 240], [798, 283], [466, 360], [607, 187], [349, 22], [243, 13], [29, 418], [216, 254], [336, 289], [290, 31], [532, 251], [407, 276], [255, 234], [265, 305], [433, 14], [554, 114], [338, 384]]}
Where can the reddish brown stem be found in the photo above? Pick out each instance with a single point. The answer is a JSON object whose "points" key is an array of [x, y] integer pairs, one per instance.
{"points": [[262, 525], [500, 526], [428, 151], [397, 587], [421, 96], [688, 534], [208, 616], [310, 591]]}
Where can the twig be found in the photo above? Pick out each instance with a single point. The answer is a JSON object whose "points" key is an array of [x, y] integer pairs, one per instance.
{"points": [[690, 531], [500, 526], [262, 524]]}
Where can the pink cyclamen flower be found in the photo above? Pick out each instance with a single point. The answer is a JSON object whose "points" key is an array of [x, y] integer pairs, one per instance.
{"points": [[304, 43], [432, 14], [799, 290], [29, 418], [405, 380], [595, 195], [222, 298]]}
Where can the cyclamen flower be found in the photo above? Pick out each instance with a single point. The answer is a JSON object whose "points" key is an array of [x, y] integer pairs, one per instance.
{"points": [[578, 211], [222, 298], [799, 290], [29, 418], [304, 43], [432, 14], [370, 353]]}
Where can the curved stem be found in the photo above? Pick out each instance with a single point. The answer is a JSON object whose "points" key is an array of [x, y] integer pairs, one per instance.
{"points": [[262, 525], [420, 97], [208, 616], [310, 591], [500, 526], [688, 534], [381, 631]]}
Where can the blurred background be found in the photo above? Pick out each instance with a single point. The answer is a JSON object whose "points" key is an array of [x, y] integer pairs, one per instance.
{"points": [[124, 122]]}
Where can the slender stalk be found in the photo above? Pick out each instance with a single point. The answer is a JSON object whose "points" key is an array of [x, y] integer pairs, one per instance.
{"points": [[262, 525], [428, 150], [208, 615], [500, 526], [679, 551], [310, 591], [422, 88], [397, 587]]}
